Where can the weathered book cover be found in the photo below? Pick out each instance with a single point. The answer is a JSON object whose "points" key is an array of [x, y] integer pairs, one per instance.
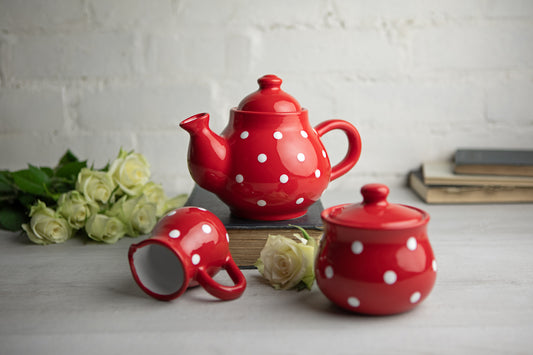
{"points": [[247, 237], [454, 194], [441, 173], [494, 162]]}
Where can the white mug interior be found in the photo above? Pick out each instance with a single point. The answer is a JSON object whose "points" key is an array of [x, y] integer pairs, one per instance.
{"points": [[159, 269]]}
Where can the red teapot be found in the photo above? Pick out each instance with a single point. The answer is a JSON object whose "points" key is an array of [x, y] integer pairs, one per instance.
{"points": [[269, 162]]}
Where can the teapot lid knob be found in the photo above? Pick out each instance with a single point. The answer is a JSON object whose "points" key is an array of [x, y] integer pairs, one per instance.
{"points": [[269, 98], [269, 81]]}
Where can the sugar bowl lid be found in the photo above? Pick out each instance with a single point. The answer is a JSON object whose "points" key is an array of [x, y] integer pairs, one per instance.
{"points": [[375, 212], [269, 98]]}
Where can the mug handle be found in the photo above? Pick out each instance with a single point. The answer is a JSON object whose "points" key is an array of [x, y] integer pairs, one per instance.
{"points": [[354, 145], [223, 292]]}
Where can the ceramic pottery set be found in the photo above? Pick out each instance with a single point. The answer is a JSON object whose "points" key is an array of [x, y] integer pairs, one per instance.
{"points": [[269, 164]]}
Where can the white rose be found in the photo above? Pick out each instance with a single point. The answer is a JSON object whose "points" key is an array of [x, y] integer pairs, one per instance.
{"points": [[138, 214], [96, 186], [130, 171], [46, 227], [105, 229], [285, 263], [75, 208]]}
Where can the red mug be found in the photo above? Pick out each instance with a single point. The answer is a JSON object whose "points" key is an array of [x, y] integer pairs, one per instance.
{"points": [[186, 248]]}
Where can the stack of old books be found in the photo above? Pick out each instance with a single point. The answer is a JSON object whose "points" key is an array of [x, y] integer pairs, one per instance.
{"points": [[247, 237], [477, 176]]}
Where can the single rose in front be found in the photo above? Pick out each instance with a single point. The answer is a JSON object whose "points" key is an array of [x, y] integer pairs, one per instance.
{"points": [[286, 263], [46, 226], [131, 171]]}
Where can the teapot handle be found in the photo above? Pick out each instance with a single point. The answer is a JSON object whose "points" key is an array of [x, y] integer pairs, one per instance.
{"points": [[354, 145], [224, 292]]}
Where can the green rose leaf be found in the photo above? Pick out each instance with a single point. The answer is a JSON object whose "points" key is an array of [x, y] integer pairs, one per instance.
{"points": [[70, 170], [32, 180], [6, 183], [12, 219], [67, 158]]}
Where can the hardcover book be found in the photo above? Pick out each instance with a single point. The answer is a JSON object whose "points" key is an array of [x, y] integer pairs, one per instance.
{"points": [[450, 194], [442, 173], [494, 162], [248, 237]]}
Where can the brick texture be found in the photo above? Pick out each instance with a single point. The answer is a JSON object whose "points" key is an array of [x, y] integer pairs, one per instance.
{"points": [[418, 78]]}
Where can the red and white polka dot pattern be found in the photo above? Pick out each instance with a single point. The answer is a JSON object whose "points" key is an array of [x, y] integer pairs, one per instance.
{"points": [[389, 277]]}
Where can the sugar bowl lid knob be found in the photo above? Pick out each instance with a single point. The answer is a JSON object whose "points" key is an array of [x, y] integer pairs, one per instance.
{"points": [[375, 194]]}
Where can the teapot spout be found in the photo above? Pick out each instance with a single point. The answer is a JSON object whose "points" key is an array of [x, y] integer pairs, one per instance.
{"points": [[208, 153]]}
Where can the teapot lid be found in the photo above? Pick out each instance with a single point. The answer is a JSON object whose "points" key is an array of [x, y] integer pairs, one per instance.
{"points": [[269, 97], [375, 212]]}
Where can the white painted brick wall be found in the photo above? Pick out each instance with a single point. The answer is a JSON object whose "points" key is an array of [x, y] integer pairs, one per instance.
{"points": [[419, 78]]}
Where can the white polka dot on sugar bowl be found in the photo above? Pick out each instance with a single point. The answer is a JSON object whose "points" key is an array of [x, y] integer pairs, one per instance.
{"points": [[357, 247], [278, 135], [171, 213], [239, 178], [174, 234], [304, 134], [390, 277], [415, 297], [317, 173], [195, 259], [323, 153], [244, 134], [299, 201], [300, 157], [434, 265], [328, 271], [227, 237], [206, 228], [354, 302], [412, 243], [262, 158], [283, 179], [261, 203]]}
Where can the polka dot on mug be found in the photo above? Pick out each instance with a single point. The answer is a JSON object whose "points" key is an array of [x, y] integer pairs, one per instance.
{"points": [[207, 228], [328, 271], [299, 201], [283, 179], [304, 134], [239, 178], [300, 157], [195, 259], [174, 234], [171, 213], [244, 134], [278, 135], [317, 173], [261, 203], [415, 297], [262, 158], [354, 302]]}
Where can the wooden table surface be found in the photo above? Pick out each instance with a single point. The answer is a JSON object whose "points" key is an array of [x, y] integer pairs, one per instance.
{"points": [[80, 298]]}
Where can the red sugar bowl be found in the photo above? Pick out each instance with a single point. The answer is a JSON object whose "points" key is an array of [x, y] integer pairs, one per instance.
{"points": [[375, 257]]}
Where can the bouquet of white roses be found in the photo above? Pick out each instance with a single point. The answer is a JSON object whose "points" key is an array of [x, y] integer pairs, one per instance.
{"points": [[52, 204]]}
